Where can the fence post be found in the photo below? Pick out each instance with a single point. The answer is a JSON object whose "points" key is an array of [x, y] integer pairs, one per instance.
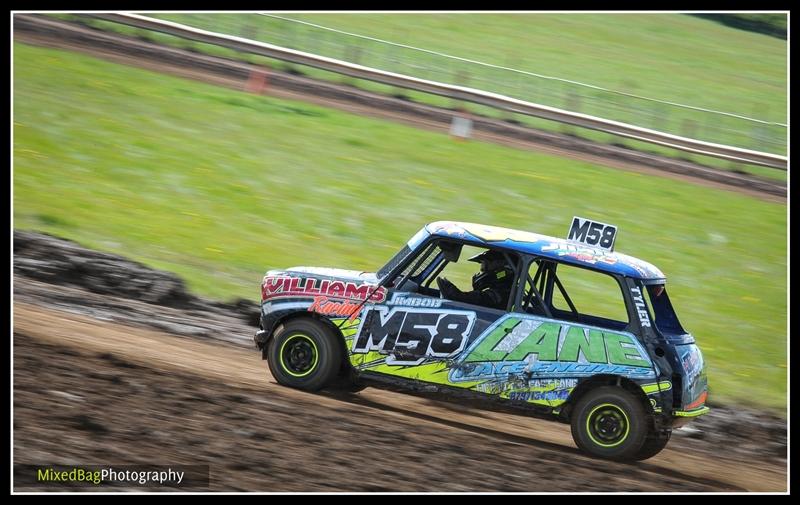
{"points": [[532, 85], [390, 66], [321, 41], [710, 124], [573, 104], [688, 130], [315, 42], [353, 55], [510, 86], [287, 39], [661, 117], [290, 35], [249, 30], [760, 137], [760, 133], [461, 79]]}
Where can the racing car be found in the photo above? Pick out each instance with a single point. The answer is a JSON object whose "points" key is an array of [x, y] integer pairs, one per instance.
{"points": [[581, 334]]}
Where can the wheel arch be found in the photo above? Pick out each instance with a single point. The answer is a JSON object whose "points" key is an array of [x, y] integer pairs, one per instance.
{"points": [[604, 380]]}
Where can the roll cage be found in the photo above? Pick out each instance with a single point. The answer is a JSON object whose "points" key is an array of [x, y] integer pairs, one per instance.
{"points": [[535, 280]]}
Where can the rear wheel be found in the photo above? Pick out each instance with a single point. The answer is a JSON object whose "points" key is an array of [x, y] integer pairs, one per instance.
{"points": [[304, 355], [609, 422]]}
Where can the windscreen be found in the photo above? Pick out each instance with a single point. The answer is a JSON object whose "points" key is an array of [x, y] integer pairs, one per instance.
{"points": [[403, 253], [396, 260]]}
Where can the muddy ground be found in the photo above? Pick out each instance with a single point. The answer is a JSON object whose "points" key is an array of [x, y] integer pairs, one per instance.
{"points": [[106, 379]]}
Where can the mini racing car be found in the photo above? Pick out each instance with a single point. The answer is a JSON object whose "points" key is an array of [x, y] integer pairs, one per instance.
{"points": [[575, 332]]}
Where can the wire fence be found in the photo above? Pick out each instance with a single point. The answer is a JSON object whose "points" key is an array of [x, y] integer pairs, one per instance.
{"points": [[619, 105]]}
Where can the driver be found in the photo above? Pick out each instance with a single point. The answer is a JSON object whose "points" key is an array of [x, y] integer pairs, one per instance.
{"points": [[490, 287]]}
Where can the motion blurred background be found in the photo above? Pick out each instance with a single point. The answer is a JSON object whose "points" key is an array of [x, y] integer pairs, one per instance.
{"points": [[219, 178]]}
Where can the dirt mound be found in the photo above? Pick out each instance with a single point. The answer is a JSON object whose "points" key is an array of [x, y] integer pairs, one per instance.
{"points": [[54, 260], [58, 261], [740, 431]]}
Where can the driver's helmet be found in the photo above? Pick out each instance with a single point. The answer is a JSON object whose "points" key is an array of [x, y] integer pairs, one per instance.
{"points": [[495, 271]]}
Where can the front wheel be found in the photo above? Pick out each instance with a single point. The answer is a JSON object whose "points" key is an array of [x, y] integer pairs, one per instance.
{"points": [[304, 355], [611, 423]]}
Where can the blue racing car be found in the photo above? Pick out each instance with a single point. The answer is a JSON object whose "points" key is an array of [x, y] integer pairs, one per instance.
{"points": [[565, 328]]}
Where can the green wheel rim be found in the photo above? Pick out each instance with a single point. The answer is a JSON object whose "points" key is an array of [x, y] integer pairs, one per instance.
{"points": [[298, 355], [607, 425]]}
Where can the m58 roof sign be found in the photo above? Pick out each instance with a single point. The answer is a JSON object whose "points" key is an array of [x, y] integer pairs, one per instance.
{"points": [[593, 233]]}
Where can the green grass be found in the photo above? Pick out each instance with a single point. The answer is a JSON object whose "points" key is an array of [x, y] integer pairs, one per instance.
{"points": [[218, 186], [671, 57], [667, 56]]}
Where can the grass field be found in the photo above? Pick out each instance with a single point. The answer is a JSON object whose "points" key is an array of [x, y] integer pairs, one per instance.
{"points": [[671, 57], [667, 56], [218, 185]]}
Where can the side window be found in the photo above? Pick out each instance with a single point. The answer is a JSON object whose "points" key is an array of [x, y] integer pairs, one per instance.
{"points": [[596, 298], [665, 318], [477, 276], [532, 301], [461, 273]]}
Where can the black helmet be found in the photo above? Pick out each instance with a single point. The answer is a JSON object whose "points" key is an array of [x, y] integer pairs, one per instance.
{"points": [[497, 271], [488, 255]]}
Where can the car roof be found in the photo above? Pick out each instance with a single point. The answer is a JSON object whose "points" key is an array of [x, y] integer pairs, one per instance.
{"points": [[558, 249]]}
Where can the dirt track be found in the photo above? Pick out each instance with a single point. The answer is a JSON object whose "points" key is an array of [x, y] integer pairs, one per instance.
{"points": [[103, 377], [95, 392]]}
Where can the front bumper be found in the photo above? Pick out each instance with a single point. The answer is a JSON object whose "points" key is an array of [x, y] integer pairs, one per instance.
{"points": [[691, 413], [260, 339]]}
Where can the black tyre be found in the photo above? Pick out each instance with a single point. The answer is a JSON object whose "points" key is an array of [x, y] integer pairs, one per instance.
{"points": [[609, 422], [304, 355], [653, 444]]}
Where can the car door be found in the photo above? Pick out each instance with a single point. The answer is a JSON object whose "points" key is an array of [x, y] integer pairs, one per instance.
{"points": [[416, 334], [538, 353]]}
